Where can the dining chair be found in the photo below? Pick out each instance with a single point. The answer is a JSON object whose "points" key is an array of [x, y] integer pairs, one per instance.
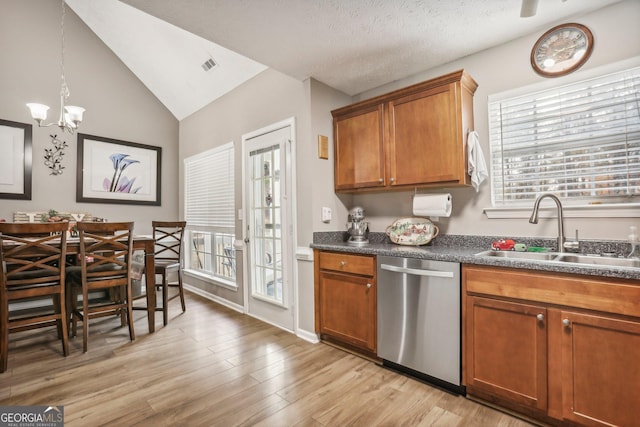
{"points": [[168, 260], [32, 256], [103, 277]]}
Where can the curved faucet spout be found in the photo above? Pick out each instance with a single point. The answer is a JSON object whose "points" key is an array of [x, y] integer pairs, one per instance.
{"points": [[534, 217]]}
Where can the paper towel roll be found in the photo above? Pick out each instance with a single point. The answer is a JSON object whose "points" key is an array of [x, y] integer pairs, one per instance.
{"points": [[432, 205]]}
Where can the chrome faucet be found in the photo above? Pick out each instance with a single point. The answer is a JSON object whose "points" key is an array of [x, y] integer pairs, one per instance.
{"points": [[534, 218]]}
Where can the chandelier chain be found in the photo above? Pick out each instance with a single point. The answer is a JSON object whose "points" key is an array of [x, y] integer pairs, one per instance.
{"points": [[64, 89]]}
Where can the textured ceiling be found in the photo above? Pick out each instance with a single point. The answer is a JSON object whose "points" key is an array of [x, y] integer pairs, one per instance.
{"points": [[351, 45]]}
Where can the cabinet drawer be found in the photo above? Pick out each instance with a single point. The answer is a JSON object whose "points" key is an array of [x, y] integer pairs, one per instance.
{"points": [[356, 264], [610, 295]]}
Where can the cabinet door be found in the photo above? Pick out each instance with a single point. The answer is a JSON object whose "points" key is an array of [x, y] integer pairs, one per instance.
{"points": [[348, 309], [601, 370], [359, 149], [506, 351], [424, 146]]}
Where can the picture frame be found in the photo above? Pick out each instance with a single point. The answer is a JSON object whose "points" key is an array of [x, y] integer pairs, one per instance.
{"points": [[117, 172], [16, 160]]}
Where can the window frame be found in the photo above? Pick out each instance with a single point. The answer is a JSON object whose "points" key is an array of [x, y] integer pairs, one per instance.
{"points": [[223, 227], [573, 207]]}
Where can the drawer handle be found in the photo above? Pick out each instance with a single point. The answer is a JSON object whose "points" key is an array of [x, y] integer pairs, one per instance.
{"points": [[342, 263]]}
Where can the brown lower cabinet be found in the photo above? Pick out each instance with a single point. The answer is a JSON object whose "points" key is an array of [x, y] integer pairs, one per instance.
{"points": [[564, 349], [345, 295]]}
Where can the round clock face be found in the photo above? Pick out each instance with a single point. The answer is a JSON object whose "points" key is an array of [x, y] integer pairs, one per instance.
{"points": [[561, 50]]}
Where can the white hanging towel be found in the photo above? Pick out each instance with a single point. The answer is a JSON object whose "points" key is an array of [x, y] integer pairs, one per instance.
{"points": [[477, 166]]}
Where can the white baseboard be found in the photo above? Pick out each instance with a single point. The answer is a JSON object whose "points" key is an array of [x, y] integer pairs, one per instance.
{"points": [[300, 333], [214, 298], [307, 336]]}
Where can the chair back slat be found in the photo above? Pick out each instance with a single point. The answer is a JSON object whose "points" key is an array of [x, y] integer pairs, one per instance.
{"points": [[32, 253], [33, 259], [168, 236], [105, 250]]}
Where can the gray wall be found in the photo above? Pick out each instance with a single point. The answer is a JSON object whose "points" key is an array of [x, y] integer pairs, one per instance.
{"points": [[268, 98], [506, 67], [118, 106], [271, 97]]}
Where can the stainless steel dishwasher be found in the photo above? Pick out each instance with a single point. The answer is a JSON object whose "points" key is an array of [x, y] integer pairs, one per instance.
{"points": [[419, 319]]}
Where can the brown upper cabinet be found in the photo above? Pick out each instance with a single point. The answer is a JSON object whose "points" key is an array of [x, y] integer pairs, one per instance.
{"points": [[412, 137]]}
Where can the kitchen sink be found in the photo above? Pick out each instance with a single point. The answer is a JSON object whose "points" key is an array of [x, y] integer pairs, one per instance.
{"points": [[541, 256], [565, 258], [599, 260]]}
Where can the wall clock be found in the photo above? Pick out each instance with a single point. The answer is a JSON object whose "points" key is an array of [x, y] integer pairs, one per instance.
{"points": [[562, 50]]}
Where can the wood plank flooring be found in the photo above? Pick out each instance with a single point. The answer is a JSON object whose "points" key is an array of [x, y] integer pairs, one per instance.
{"points": [[212, 366]]}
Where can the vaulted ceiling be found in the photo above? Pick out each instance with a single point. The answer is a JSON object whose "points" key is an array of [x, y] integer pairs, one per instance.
{"points": [[350, 45]]}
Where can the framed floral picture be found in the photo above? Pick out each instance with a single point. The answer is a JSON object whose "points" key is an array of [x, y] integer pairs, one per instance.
{"points": [[119, 172], [15, 160]]}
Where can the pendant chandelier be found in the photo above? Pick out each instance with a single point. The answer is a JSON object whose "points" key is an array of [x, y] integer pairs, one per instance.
{"points": [[70, 116]]}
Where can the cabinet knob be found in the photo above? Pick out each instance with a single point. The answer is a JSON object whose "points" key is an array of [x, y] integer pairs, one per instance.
{"points": [[342, 263], [566, 322], [392, 179], [380, 180], [368, 285], [540, 317]]}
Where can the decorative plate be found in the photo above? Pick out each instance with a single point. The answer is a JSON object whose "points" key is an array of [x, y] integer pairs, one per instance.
{"points": [[413, 231]]}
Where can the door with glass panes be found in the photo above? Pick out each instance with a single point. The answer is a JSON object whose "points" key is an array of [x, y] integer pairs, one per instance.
{"points": [[268, 229]]}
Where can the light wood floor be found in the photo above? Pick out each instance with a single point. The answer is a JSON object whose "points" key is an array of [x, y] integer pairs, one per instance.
{"points": [[214, 367]]}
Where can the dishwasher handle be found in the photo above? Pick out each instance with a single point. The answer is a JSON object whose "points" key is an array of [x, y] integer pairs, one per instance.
{"points": [[417, 271]]}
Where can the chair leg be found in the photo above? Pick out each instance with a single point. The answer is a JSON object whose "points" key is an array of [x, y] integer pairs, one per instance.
{"points": [[165, 299], [72, 307], [61, 323], [129, 296], [4, 333], [181, 289], [85, 321]]}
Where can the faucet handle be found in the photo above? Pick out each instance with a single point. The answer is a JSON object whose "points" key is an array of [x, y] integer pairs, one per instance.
{"points": [[574, 244]]}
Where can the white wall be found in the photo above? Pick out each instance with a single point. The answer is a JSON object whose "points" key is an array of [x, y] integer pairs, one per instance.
{"points": [[506, 67], [118, 106]]}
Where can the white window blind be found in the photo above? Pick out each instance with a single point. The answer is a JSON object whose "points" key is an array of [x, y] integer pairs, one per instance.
{"points": [[209, 188], [580, 141]]}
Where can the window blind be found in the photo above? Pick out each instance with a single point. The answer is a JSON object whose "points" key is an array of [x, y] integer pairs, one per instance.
{"points": [[580, 141], [209, 188]]}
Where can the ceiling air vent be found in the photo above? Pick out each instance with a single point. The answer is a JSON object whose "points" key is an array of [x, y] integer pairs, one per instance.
{"points": [[209, 64]]}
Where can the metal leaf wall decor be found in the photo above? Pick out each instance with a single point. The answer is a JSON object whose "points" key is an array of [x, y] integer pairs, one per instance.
{"points": [[53, 156]]}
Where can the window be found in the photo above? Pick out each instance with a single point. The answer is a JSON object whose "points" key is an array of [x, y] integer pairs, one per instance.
{"points": [[580, 141], [209, 212]]}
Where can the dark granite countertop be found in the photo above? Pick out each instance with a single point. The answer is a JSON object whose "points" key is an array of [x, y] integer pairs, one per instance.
{"points": [[463, 249]]}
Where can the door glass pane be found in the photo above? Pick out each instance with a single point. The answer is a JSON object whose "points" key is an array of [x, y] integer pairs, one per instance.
{"points": [[266, 247]]}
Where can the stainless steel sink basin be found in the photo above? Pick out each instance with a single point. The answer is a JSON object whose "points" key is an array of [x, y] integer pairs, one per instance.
{"points": [[598, 260], [565, 258], [541, 256]]}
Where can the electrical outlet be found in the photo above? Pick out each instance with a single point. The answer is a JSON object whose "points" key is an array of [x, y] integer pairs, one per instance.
{"points": [[326, 214]]}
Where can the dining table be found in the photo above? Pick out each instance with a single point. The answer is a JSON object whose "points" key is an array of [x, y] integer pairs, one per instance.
{"points": [[146, 244]]}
